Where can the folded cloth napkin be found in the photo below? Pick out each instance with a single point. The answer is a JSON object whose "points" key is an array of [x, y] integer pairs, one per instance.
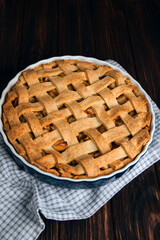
{"points": [[22, 196]]}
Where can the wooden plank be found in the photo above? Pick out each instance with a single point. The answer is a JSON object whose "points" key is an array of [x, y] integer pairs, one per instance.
{"points": [[76, 37], [39, 36], [143, 21], [140, 199], [118, 32], [51, 230], [112, 40], [75, 29], [136, 208], [111, 34], [10, 40], [95, 227], [40, 41]]}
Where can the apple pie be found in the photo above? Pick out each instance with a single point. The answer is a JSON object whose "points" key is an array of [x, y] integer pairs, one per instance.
{"points": [[76, 119]]}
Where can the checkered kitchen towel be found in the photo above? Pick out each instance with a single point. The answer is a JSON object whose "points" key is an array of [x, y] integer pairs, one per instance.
{"points": [[22, 196]]}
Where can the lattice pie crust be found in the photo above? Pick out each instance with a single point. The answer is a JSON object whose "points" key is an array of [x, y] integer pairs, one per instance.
{"points": [[76, 119]]}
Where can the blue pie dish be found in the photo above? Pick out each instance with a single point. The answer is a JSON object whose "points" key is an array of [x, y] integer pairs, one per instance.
{"points": [[63, 181]]}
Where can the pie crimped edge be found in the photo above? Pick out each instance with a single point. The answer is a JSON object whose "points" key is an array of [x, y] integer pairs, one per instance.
{"points": [[97, 62]]}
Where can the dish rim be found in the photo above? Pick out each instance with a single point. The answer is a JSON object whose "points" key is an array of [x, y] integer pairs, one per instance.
{"points": [[12, 82]]}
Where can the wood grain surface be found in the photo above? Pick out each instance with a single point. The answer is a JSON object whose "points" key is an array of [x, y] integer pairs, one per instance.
{"points": [[127, 31]]}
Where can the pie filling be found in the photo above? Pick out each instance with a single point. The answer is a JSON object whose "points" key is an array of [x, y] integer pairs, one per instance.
{"points": [[76, 119]]}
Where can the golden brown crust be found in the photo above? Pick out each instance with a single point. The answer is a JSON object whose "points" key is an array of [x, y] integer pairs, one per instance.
{"points": [[76, 119]]}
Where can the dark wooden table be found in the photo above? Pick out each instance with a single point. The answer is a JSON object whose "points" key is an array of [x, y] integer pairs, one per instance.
{"points": [[127, 31]]}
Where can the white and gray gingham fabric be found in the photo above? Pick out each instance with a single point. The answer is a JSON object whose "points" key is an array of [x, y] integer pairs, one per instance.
{"points": [[22, 196]]}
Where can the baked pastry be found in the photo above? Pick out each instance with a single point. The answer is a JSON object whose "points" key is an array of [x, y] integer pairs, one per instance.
{"points": [[76, 119]]}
